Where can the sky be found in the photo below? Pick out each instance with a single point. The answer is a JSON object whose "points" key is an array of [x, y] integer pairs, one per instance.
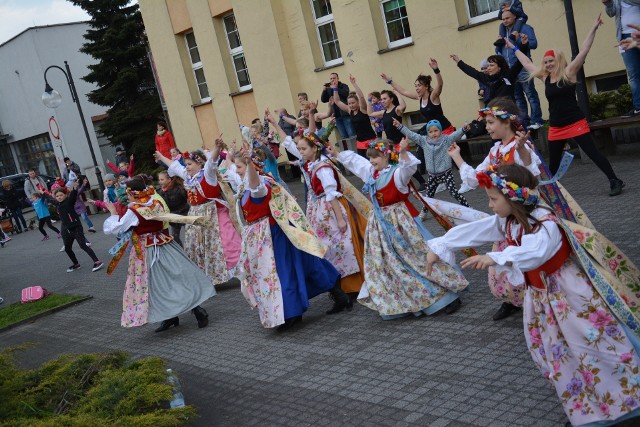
{"points": [[18, 15]]}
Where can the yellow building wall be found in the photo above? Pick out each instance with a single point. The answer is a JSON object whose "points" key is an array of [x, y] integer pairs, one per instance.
{"points": [[282, 51]]}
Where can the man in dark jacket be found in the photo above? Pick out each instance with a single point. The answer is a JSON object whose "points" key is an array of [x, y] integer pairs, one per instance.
{"points": [[70, 165], [12, 199], [343, 121]]}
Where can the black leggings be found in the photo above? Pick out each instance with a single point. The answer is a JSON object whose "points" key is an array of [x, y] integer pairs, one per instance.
{"points": [[447, 179], [42, 222], [76, 233], [588, 145]]}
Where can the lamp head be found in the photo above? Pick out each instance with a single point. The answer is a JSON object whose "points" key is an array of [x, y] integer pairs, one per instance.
{"points": [[51, 98]]}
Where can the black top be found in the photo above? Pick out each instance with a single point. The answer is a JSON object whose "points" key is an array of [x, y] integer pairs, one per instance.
{"points": [[12, 197], [343, 93], [501, 84], [389, 129], [563, 106], [362, 126], [176, 199], [432, 111], [67, 213]]}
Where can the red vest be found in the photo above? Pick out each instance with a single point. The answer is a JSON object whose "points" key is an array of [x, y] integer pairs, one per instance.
{"points": [[253, 211], [210, 191], [390, 195], [316, 184]]}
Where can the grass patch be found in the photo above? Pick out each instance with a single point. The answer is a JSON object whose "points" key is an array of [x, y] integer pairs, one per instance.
{"points": [[17, 312]]}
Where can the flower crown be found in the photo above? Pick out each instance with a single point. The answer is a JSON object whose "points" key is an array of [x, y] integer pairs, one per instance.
{"points": [[382, 147], [525, 195], [497, 112], [143, 195], [314, 139], [197, 156]]}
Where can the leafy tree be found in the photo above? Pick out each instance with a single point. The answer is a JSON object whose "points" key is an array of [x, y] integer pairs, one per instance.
{"points": [[117, 40]]}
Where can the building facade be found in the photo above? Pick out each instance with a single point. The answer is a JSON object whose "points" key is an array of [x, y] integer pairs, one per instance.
{"points": [[221, 62], [34, 136]]}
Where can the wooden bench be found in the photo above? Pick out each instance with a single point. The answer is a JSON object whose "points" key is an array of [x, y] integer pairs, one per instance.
{"points": [[603, 131]]}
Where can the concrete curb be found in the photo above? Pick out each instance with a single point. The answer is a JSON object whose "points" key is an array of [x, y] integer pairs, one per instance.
{"points": [[46, 313]]}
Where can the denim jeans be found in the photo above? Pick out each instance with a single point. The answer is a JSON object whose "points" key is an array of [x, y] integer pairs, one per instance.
{"points": [[528, 88], [631, 60], [16, 214], [85, 216], [343, 123]]}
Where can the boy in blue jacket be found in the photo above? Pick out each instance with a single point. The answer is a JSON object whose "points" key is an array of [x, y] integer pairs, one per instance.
{"points": [[515, 7]]}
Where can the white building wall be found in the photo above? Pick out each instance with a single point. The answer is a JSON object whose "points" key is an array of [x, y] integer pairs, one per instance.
{"points": [[23, 61]]}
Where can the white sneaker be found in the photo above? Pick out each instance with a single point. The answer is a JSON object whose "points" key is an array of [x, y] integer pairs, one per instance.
{"points": [[464, 188], [534, 126], [88, 243], [97, 266], [53, 221], [62, 249], [441, 188]]}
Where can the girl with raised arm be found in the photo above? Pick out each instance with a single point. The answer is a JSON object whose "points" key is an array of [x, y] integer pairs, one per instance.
{"points": [[566, 119], [357, 110], [214, 247], [396, 284]]}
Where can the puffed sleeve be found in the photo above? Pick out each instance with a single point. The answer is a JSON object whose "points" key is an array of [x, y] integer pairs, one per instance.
{"points": [[468, 174], [328, 180], [402, 175], [260, 190], [290, 146], [210, 171], [113, 225], [356, 164], [476, 233], [176, 169], [535, 249]]}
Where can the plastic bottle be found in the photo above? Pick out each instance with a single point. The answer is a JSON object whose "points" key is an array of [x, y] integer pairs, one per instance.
{"points": [[178, 397]]}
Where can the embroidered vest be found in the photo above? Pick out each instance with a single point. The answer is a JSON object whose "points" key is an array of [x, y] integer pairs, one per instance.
{"points": [[390, 195], [316, 184], [151, 231], [254, 211], [210, 192]]}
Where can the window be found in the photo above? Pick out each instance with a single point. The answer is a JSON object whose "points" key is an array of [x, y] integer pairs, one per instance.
{"points": [[481, 10], [396, 22], [326, 30], [196, 65], [37, 153], [237, 53]]}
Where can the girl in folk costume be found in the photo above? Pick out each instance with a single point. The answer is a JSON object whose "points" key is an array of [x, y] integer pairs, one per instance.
{"points": [[336, 222], [162, 282], [579, 328], [281, 266], [395, 243], [214, 247], [512, 146]]}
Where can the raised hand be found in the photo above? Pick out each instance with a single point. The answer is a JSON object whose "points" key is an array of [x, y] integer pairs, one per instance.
{"points": [[331, 150], [131, 157], [508, 42], [385, 77], [455, 58], [404, 144], [433, 63], [454, 150], [352, 79], [598, 21], [111, 208], [396, 123], [521, 139], [524, 38]]}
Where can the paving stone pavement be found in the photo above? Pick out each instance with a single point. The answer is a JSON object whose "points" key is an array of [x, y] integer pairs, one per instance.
{"points": [[347, 369]]}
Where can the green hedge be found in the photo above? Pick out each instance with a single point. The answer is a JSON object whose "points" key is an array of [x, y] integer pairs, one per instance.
{"points": [[611, 104], [88, 389]]}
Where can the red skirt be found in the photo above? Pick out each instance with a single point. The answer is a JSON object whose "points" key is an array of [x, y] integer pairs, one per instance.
{"points": [[575, 129]]}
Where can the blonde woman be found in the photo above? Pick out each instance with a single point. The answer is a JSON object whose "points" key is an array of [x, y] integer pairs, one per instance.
{"points": [[566, 120]]}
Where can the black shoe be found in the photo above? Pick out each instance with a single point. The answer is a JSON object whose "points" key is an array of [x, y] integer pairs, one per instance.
{"points": [[166, 324], [341, 300], [288, 324], [453, 306], [632, 112], [505, 311], [616, 187], [499, 43], [202, 316]]}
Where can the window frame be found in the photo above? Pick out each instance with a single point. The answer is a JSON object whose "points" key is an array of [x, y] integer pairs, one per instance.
{"points": [[235, 52], [397, 43], [196, 66], [480, 18], [319, 22]]}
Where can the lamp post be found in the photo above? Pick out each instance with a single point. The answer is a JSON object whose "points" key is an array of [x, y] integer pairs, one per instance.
{"points": [[581, 85], [52, 99]]}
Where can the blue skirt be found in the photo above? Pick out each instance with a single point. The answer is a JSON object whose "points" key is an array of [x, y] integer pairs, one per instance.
{"points": [[302, 276]]}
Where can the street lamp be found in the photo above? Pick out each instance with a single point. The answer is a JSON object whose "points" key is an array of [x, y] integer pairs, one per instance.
{"points": [[52, 99]]}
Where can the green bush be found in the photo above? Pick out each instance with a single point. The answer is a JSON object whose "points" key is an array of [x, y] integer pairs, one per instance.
{"points": [[88, 389], [611, 104]]}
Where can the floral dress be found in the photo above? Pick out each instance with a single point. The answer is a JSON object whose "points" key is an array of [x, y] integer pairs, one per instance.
{"points": [[574, 338], [395, 247], [214, 247]]}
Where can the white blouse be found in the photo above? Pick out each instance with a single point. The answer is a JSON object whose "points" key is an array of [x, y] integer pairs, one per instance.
{"points": [[327, 179], [115, 225], [290, 146], [363, 169], [535, 249], [210, 171], [468, 174]]}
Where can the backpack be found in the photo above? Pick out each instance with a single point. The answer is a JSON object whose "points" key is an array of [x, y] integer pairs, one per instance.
{"points": [[33, 293], [477, 128]]}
